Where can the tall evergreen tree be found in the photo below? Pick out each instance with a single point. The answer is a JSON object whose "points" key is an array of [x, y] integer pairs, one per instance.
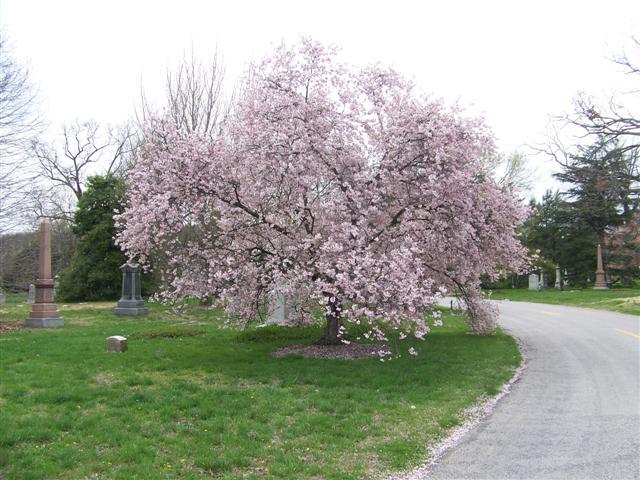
{"points": [[561, 238], [603, 197], [603, 185], [94, 273]]}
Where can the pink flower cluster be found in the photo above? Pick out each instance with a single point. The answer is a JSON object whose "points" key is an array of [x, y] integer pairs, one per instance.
{"points": [[337, 187]]}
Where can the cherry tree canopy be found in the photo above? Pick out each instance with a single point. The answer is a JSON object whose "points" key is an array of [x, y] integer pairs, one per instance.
{"points": [[332, 185]]}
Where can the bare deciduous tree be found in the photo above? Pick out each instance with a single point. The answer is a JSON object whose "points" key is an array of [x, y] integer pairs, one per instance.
{"points": [[87, 149], [511, 171], [614, 121], [194, 96], [20, 122]]}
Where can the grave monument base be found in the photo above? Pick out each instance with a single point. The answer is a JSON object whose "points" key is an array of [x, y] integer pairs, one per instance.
{"points": [[131, 311], [55, 322]]}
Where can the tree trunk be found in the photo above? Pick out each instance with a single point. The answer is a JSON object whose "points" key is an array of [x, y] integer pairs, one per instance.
{"points": [[331, 335]]}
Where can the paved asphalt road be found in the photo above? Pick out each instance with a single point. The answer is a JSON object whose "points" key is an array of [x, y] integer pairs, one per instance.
{"points": [[574, 414]]}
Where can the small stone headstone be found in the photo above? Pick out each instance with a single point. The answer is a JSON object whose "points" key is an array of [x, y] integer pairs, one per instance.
{"points": [[116, 343], [558, 284], [31, 296], [533, 282], [3, 299]]}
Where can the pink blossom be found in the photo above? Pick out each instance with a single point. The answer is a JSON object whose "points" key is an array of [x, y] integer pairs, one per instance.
{"points": [[340, 187]]}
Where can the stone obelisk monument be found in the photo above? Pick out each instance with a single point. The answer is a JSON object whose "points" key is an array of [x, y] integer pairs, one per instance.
{"points": [[44, 313], [601, 282]]}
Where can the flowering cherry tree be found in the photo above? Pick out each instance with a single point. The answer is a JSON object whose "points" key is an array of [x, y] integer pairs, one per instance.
{"points": [[334, 186]]}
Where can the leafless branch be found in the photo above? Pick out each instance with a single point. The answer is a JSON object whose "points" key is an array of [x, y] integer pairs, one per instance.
{"points": [[194, 96], [87, 149], [20, 122], [613, 120]]}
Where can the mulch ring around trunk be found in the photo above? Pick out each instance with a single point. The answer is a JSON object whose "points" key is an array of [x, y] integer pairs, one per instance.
{"points": [[10, 326], [344, 351]]}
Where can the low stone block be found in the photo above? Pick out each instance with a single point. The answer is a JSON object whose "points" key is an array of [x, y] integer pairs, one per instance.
{"points": [[116, 343], [53, 322], [131, 311]]}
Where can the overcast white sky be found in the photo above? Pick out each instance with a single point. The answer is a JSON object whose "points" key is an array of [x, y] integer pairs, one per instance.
{"points": [[514, 62]]}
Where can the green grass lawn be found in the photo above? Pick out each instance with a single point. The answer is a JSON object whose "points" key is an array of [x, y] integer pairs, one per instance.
{"points": [[624, 300], [192, 400]]}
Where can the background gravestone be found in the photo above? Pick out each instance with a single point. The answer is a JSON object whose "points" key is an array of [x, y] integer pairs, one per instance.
{"points": [[279, 314], [31, 296], [533, 282], [55, 284], [3, 299], [131, 303], [558, 284]]}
